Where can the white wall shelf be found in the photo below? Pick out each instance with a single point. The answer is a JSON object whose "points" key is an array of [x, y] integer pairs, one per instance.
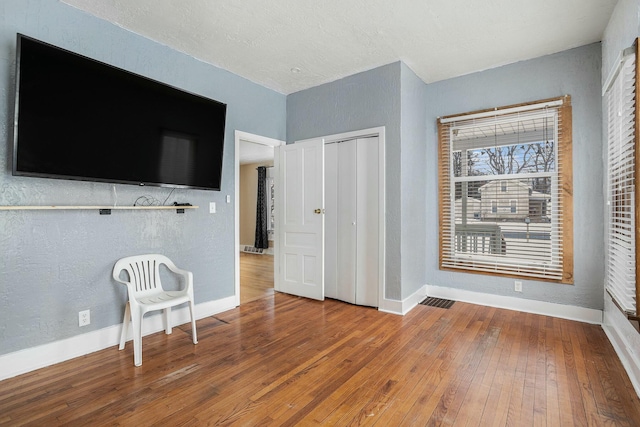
{"points": [[104, 210]]}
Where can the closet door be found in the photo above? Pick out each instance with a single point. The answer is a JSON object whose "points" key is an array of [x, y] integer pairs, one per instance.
{"points": [[347, 221], [331, 221], [340, 221], [351, 221], [367, 232]]}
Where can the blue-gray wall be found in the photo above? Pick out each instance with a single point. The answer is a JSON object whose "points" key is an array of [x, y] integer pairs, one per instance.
{"points": [[56, 263], [414, 177], [361, 101], [394, 97], [575, 72], [621, 32]]}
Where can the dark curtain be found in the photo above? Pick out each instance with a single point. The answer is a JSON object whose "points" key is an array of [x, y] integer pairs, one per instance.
{"points": [[262, 237]]}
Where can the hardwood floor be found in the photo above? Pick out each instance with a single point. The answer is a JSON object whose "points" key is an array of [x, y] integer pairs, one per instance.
{"points": [[256, 276], [284, 360]]}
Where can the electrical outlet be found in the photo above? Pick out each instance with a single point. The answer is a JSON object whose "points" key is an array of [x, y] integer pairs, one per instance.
{"points": [[518, 286], [84, 317], [212, 207]]}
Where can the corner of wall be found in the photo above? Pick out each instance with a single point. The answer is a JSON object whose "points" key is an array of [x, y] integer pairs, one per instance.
{"points": [[402, 307]]}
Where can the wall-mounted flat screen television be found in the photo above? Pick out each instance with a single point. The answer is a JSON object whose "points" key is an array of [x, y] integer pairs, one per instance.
{"points": [[78, 118]]}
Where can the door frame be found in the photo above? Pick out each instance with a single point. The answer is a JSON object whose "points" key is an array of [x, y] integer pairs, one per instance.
{"points": [[382, 214], [256, 139]]}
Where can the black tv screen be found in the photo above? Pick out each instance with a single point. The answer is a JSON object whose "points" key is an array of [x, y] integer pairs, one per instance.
{"points": [[77, 118]]}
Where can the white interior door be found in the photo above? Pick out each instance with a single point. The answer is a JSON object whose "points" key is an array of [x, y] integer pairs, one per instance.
{"points": [[299, 219]]}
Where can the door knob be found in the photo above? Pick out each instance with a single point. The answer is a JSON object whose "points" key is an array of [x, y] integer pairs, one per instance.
{"points": [[318, 211]]}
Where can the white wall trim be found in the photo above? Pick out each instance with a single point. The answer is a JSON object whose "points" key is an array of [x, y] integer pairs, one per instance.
{"points": [[30, 359], [581, 314], [628, 358], [256, 139], [404, 306], [624, 339]]}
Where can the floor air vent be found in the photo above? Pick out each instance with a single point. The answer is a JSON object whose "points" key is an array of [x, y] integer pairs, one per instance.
{"points": [[437, 302], [252, 250]]}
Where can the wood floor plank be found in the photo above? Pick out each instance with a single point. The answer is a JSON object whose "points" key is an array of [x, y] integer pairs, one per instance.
{"points": [[285, 360], [540, 388], [441, 388], [380, 381], [562, 384], [552, 395], [505, 376], [515, 410], [582, 371], [478, 400], [256, 276], [476, 365], [578, 407]]}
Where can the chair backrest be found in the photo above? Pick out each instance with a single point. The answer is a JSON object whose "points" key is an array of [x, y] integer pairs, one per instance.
{"points": [[144, 272]]}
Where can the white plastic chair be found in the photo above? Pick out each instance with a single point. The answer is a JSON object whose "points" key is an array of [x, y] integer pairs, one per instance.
{"points": [[146, 294]]}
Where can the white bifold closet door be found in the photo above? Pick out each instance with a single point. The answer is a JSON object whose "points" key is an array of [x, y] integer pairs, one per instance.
{"points": [[351, 221]]}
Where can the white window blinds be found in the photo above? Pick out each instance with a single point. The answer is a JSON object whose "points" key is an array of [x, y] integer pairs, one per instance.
{"points": [[505, 202], [620, 99]]}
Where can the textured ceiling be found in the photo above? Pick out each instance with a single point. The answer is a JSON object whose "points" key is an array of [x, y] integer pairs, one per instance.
{"points": [[290, 45]]}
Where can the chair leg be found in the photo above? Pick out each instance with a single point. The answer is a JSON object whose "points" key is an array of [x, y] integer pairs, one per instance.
{"points": [[193, 322], [125, 325], [167, 320], [136, 319]]}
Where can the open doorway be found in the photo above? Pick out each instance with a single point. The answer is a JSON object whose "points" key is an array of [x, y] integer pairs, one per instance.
{"points": [[254, 261]]}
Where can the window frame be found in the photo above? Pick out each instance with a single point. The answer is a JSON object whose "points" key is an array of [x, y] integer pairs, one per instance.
{"points": [[564, 189]]}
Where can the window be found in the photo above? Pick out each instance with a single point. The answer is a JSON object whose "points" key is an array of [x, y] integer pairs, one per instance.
{"points": [[506, 202], [622, 179]]}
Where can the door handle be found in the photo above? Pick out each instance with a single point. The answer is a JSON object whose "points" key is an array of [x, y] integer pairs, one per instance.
{"points": [[319, 211]]}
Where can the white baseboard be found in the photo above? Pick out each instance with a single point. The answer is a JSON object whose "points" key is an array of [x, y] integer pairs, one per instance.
{"points": [[30, 359], [581, 314], [624, 339], [627, 357], [404, 306]]}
